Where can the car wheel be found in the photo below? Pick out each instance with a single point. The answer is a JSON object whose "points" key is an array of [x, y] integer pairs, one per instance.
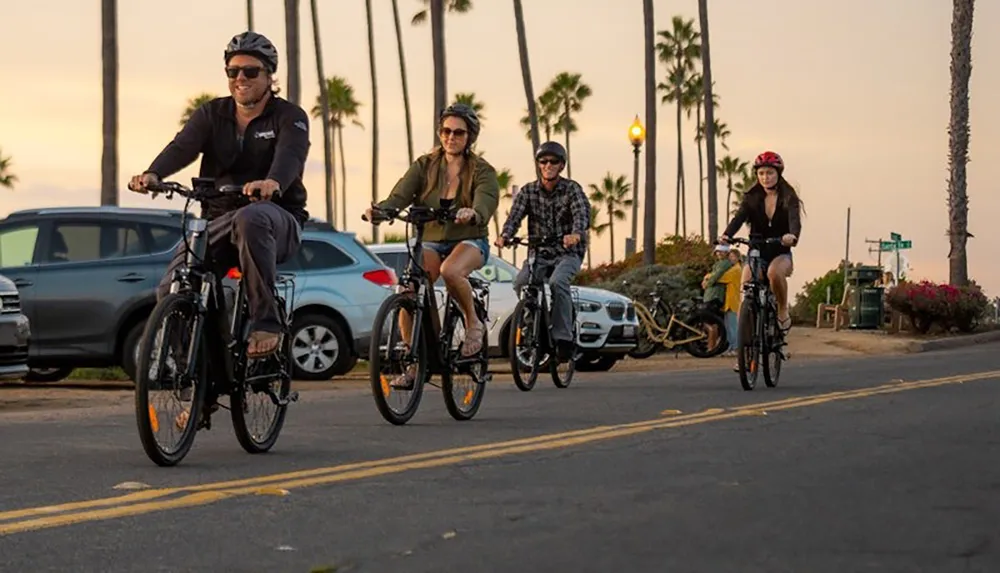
{"points": [[320, 349], [130, 350], [47, 374]]}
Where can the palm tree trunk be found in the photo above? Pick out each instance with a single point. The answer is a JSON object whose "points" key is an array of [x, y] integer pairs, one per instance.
{"points": [[440, 62], [588, 256], [402, 73], [324, 102], [529, 92], [569, 171], [343, 177], [649, 218], [250, 16], [109, 72], [333, 170], [680, 171], [292, 48], [706, 62], [611, 228], [371, 62], [958, 141], [729, 197], [701, 173]]}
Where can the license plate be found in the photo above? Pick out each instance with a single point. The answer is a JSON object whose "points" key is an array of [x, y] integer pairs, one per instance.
{"points": [[628, 331]]}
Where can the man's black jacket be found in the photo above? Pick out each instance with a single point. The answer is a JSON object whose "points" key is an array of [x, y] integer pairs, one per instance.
{"points": [[274, 146]]}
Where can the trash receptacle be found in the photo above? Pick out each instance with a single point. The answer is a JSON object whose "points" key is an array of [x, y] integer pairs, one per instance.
{"points": [[866, 307]]}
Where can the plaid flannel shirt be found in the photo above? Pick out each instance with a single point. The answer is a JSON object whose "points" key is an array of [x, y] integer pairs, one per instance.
{"points": [[563, 211]]}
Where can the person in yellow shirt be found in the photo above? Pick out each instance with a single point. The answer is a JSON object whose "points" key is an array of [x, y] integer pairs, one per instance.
{"points": [[731, 306]]}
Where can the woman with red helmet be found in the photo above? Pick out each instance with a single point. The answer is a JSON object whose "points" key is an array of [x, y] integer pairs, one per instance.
{"points": [[773, 210]]}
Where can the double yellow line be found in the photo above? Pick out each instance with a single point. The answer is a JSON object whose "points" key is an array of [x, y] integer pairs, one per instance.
{"points": [[153, 500]]}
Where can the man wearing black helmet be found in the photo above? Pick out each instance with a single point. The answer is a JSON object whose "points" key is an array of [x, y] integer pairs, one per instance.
{"points": [[255, 139], [555, 207], [452, 175]]}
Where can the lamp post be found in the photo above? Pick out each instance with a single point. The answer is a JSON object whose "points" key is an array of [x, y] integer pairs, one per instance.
{"points": [[636, 135]]}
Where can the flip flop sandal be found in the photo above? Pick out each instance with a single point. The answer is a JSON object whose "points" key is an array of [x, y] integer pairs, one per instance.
{"points": [[473, 342], [405, 380], [276, 338]]}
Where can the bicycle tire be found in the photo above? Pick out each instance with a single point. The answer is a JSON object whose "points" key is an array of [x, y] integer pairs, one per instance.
{"points": [[147, 432], [467, 411], [748, 349], [772, 370], [523, 383], [238, 400], [720, 326], [645, 346], [554, 363], [379, 383]]}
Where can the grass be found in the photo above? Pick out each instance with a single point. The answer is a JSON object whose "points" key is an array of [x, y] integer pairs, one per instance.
{"points": [[113, 373]]}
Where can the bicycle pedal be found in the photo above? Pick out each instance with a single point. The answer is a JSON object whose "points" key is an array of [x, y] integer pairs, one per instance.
{"points": [[292, 397]]}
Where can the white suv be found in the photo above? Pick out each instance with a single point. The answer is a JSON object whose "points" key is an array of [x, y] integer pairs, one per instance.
{"points": [[608, 324]]}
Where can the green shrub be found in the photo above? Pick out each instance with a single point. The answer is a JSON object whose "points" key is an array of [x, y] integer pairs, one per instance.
{"points": [[927, 303], [813, 294], [691, 253], [676, 284]]}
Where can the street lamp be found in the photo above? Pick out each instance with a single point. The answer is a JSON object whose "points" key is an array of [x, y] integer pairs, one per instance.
{"points": [[636, 135]]}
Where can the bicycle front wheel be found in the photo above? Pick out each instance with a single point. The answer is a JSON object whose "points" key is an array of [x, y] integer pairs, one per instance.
{"points": [[524, 346], [258, 402], [748, 347], [463, 382], [389, 359], [168, 401]]}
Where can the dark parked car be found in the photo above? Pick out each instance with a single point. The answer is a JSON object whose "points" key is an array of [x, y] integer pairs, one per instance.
{"points": [[14, 332], [87, 278]]}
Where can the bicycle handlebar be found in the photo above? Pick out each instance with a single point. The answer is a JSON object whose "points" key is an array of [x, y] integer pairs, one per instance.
{"points": [[550, 241], [755, 241], [415, 214], [202, 191]]}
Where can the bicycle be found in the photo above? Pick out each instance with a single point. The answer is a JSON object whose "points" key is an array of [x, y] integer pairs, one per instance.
{"points": [[390, 356], [758, 333], [687, 332], [529, 347], [205, 349]]}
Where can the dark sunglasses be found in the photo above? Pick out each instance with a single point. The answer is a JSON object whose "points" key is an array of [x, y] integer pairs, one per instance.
{"points": [[447, 131], [548, 161], [250, 72]]}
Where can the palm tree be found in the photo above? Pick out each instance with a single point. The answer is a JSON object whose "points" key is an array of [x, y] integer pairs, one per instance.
{"points": [[504, 180], [458, 6], [193, 104], [569, 94], [679, 49], [324, 114], [958, 141], [250, 16], [740, 189], [529, 90], [343, 107], [292, 48], [437, 9], [729, 167], [693, 91], [547, 114], [595, 228], [470, 100], [706, 72], [649, 216], [402, 73], [371, 64], [614, 193], [109, 73], [7, 178]]}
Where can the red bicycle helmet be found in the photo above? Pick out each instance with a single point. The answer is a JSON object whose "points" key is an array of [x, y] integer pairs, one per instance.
{"points": [[769, 159]]}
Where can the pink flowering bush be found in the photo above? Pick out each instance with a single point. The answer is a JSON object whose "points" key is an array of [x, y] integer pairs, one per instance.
{"points": [[926, 303]]}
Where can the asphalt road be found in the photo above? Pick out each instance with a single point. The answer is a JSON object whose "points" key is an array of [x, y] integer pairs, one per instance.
{"points": [[885, 464]]}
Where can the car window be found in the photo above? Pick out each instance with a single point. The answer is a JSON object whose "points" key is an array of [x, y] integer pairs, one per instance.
{"points": [[17, 246], [316, 255], [81, 242], [164, 238], [395, 261]]}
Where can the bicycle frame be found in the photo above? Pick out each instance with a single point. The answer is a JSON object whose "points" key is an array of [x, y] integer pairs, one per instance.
{"points": [[539, 290], [662, 335]]}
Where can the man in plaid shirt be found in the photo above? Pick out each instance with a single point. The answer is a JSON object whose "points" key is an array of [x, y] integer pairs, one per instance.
{"points": [[556, 207]]}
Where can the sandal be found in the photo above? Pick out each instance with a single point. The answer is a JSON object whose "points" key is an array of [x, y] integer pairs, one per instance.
{"points": [[473, 342], [785, 325], [267, 343], [405, 380]]}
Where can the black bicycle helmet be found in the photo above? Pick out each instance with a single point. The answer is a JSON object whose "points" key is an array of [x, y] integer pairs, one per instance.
{"points": [[551, 149], [468, 115], [256, 45]]}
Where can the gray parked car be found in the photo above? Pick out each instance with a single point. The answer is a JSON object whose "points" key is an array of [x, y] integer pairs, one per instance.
{"points": [[87, 278], [14, 332]]}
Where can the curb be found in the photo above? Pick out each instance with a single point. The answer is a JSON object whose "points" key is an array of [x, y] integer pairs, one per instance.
{"points": [[954, 342]]}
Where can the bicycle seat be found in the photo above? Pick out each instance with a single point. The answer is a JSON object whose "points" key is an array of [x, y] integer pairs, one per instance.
{"points": [[478, 283]]}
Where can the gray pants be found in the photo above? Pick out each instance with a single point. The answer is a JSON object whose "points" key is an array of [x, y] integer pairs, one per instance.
{"points": [[257, 238], [559, 272]]}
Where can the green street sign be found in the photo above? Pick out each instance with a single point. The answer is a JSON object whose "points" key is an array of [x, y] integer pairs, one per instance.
{"points": [[895, 237], [893, 245]]}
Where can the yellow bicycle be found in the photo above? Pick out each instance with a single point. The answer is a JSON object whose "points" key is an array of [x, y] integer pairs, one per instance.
{"points": [[689, 330]]}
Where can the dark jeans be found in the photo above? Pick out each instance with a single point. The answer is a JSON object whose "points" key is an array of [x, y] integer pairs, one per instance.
{"points": [[257, 238], [559, 274]]}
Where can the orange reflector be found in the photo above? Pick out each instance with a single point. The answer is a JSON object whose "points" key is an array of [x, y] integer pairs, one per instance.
{"points": [[386, 389], [154, 422]]}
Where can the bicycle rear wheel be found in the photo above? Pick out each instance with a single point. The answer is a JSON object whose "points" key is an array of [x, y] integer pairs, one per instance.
{"points": [[773, 356], [525, 346], [165, 349], [260, 389], [749, 349], [389, 357], [463, 382]]}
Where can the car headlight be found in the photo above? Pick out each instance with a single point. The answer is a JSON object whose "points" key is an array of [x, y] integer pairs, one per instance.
{"points": [[588, 306]]}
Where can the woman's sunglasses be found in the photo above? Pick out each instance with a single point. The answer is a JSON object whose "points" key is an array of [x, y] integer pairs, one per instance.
{"points": [[250, 72], [447, 131]]}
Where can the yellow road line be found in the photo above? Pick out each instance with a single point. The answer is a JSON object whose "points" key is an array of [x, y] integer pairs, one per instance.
{"points": [[145, 502]]}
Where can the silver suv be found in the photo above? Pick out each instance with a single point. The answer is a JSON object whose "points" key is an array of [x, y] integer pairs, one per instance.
{"points": [[14, 332]]}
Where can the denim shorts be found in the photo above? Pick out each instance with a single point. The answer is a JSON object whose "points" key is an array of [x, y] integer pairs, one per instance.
{"points": [[444, 248]]}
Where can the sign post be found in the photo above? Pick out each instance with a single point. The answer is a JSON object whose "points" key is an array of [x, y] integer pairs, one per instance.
{"points": [[895, 243]]}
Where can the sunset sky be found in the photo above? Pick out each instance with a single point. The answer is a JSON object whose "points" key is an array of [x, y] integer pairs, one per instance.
{"points": [[853, 94]]}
